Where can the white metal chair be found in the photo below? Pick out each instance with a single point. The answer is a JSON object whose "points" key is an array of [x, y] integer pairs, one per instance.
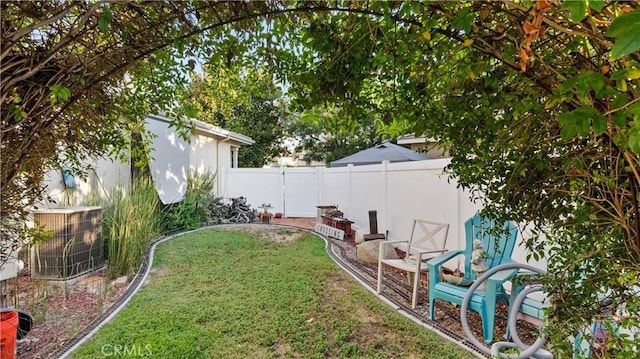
{"points": [[428, 239]]}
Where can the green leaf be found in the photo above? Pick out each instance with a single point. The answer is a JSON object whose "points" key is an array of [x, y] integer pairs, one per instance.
{"points": [[583, 91], [619, 118], [585, 112], [568, 122], [569, 83], [633, 74], [179, 44], [429, 22], [625, 29], [620, 140], [597, 80], [59, 93], [556, 100], [583, 127], [568, 132], [599, 124], [626, 45], [634, 143], [463, 20], [621, 85], [634, 136], [190, 111], [104, 20], [624, 24], [619, 75], [596, 5], [578, 9], [633, 111], [619, 100], [65, 93], [580, 121], [586, 117]]}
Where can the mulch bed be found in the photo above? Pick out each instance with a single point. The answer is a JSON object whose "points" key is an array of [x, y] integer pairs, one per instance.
{"points": [[60, 310]]}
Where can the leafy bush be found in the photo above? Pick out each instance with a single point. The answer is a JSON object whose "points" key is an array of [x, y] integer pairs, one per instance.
{"points": [[194, 209]]}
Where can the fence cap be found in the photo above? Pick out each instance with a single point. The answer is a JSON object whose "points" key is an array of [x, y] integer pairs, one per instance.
{"points": [[71, 209]]}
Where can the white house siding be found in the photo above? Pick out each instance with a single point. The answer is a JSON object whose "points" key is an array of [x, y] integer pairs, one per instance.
{"points": [[210, 148], [172, 158], [224, 154], [203, 155], [104, 176], [169, 163]]}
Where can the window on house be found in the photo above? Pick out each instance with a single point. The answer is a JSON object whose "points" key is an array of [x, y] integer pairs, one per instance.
{"points": [[234, 157]]}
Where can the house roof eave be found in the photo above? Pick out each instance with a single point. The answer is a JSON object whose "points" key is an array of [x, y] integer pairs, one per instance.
{"points": [[211, 130]]}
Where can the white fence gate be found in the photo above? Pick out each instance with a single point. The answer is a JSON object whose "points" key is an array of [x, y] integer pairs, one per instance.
{"points": [[291, 191], [300, 191]]}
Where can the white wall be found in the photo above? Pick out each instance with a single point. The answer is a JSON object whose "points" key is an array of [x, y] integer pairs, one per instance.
{"points": [[224, 154], [169, 163], [257, 185], [399, 192], [203, 154], [334, 188], [105, 175], [301, 191], [171, 160]]}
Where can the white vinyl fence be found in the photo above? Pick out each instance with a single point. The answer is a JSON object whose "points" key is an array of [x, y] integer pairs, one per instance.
{"points": [[399, 192]]}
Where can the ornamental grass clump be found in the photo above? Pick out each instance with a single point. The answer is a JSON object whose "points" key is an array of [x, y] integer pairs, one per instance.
{"points": [[130, 222]]}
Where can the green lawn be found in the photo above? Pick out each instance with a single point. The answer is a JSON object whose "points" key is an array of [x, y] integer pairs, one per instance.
{"points": [[222, 293]]}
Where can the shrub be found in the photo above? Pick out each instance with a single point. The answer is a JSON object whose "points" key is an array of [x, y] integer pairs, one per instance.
{"points": [[194, 209]]}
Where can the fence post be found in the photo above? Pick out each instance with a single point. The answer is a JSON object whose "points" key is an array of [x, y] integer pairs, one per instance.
{"points": [[283, 190], [320, 182], [350, 189], [221, 182], [385, 196]]}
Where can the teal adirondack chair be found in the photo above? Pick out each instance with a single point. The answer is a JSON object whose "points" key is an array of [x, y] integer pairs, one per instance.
{"points": [[498, 248]]}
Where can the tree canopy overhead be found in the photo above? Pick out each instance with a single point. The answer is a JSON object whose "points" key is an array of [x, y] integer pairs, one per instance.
{"points": [[537, 101], [247, 102]]}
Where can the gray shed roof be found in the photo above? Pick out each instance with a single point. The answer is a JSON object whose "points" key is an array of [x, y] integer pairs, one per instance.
{"points": [[384, 152]]}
